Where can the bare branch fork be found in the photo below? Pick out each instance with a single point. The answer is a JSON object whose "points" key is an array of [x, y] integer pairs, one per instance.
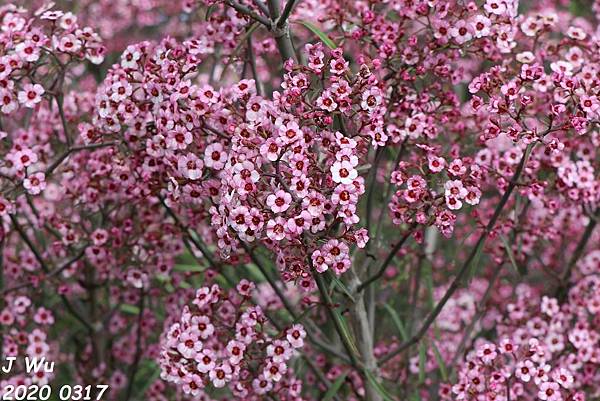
{"points": [[38, 256], [277, 23]]}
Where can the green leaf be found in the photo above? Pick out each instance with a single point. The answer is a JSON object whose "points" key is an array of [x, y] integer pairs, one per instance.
{"points": [[209, 11], [148, 372], [397, 321], [475, 262], [342, 287], [428, 278], [440, 362], [301, 316], [189, 268], [422, 361], [519, 270], [345, 331], [131, 309], [378, 386], [254, 272], [335, 387], [322, 35]]}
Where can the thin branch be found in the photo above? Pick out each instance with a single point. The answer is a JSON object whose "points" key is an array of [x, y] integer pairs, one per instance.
{"points": [[198, 244], [46, 268], [467, 264], [59, 102], [248, 12], [262, 6], [54, 273], [50, 169], [281, 31], [30, 245], [481, 310], [92, 146], [252, 61], [274, 9], [288, 306], [284, 300], [587, 234], [387, 260], [287, 11]]}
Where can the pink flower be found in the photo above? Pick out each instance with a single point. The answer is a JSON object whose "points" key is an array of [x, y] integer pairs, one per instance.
{"points": [[461, 31], [497, 7], [31, 95], [35, 183], [279, 351], [235, 350], [453, 203], [296, 225], [507, 346], [206, 360], [220, 374], [190, 166], [8, 101], [456, 168], [295, 336], [189, 344], [214, 156], [271, 149], [68, 44], [290, 133], [326, 102], [28, 51], [371, 99], [276, 228], [202, 326], [541, 373], [481, 25], [279, 202], [525, 370], [487, 353], [319, 261], [274, 371], [25, 158], [473, 195], [563, 377], [343, 172], [436, 164], [549, 391], [179, 138], [44, 317]]}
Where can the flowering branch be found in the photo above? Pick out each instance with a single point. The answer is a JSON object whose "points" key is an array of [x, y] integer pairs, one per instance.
{"points": [[467, 264]]}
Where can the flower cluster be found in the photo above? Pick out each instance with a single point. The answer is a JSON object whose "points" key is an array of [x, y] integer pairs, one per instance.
{"points": [[20, 339], [221, 340], [547, 349], [513, 368], [29, 43], [346, 165], [248, 156]]}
